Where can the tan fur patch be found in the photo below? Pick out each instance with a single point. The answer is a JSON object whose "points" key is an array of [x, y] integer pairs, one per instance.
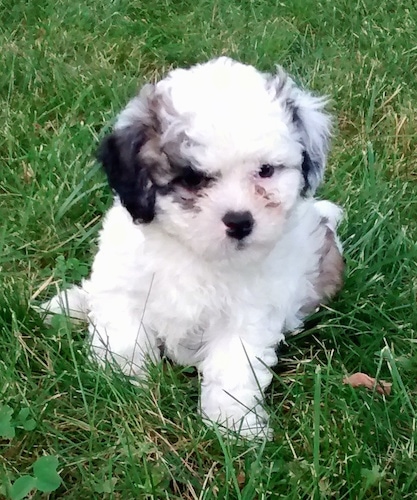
{"points": [[261, 191]]}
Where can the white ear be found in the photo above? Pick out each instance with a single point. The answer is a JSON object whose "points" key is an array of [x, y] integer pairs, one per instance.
{"points": [[313, 125]]}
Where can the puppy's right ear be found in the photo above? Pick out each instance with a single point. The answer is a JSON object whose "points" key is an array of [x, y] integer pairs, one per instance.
{"points": [[119, 153]]}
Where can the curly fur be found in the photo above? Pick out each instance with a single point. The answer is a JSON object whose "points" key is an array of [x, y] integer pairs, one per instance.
{"points": [[214, 247]]}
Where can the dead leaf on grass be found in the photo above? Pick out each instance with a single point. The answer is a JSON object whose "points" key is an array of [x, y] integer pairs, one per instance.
{"points": [[364, 380], [241, 479]]}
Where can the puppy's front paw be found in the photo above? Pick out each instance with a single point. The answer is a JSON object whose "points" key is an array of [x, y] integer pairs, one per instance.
{"points": [[254, 426], [251, 425]]}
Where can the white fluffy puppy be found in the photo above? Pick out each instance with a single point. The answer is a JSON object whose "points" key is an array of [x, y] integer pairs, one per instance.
{"points": [[214, 247]]}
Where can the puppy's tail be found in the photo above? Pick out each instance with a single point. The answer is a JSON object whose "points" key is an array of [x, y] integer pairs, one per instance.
{"points": [[332, 215], [72, 303], [329, 211]]}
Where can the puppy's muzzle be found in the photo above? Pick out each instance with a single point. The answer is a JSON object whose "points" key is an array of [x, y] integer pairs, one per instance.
{"points": [[239, 224]]}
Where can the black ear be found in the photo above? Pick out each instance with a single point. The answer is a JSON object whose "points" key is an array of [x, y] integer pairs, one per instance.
{"points": [[126, 174]]}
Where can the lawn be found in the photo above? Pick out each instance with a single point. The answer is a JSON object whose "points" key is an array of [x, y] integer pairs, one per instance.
{"points": [[67, 68]]}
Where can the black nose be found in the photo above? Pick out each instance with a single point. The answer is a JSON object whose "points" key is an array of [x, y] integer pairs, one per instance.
{"points": [[239, 224]]}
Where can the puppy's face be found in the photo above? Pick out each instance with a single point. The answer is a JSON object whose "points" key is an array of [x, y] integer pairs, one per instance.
{"points": [[217, 156]]}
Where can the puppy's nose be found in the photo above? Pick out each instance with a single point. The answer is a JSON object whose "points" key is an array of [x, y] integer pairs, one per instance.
{"points": [[239, 224]]}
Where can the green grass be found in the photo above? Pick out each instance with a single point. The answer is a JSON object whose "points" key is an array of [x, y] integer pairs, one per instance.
{"points": [[67, 68]]}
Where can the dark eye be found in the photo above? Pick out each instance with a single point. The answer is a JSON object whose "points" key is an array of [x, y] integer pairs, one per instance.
{"points": [[192, 179], [266, 171]]}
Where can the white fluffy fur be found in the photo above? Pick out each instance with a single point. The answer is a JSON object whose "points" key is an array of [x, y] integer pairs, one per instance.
{"points": [[180, 282]]}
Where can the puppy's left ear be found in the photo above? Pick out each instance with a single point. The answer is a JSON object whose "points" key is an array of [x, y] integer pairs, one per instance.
{"points": [[313, 125]]}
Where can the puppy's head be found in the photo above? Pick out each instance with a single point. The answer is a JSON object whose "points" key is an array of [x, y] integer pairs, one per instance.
{"points": [[218, 155]]}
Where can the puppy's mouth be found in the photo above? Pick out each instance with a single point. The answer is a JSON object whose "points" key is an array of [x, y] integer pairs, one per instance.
{"points": [[233, 247]]}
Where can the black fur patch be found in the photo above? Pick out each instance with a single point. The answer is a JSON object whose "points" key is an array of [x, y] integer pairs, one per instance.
{"points": [[294, 112], [126, 173], [308, 168]]}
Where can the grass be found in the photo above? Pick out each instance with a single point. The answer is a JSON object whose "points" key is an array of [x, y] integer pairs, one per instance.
{"points": [[67, 68]]}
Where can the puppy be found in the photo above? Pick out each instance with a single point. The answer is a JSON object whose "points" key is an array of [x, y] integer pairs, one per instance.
{"points": [[214, 247]]}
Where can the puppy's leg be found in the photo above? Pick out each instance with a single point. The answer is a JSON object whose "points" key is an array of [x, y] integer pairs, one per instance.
{"points": [[235, 374], [71, 303], [119, 291], [118, 333]]}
